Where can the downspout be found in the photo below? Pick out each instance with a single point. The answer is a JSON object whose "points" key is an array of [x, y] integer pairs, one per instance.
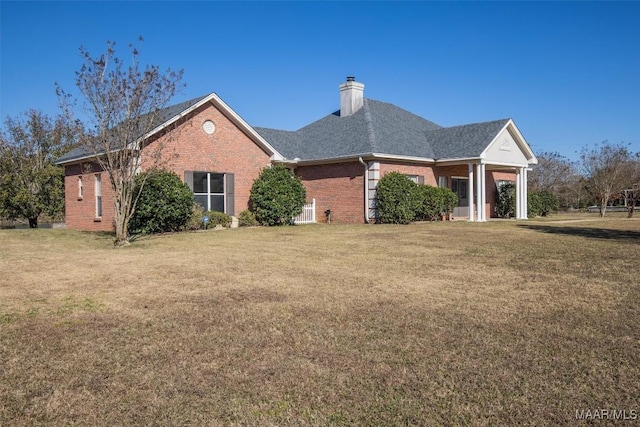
{"points": [[366, 189]]}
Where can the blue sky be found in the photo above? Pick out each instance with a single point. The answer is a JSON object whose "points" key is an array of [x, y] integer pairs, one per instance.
{"points": [[568, 73]]}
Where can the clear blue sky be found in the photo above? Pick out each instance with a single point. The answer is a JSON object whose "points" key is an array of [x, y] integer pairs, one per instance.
{"points": [[568, 73]]}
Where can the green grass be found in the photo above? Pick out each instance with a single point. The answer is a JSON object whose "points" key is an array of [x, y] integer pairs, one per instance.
{"points": [[499, 323]]}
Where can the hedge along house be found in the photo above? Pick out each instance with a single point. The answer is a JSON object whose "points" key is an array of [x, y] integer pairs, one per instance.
{"points": [[339, 158]]}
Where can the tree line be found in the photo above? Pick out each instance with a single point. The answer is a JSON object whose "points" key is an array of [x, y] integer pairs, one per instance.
{"points": [[607, 174]]}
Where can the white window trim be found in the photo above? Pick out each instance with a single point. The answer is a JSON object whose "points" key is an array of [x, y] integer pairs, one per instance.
{"points": [[98, 193]]}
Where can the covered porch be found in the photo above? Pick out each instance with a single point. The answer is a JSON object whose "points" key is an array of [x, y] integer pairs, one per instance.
{"points": [[477, 190]]}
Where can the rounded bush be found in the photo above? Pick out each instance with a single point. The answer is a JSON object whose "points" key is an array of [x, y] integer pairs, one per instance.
{"points": [[246, 218], [165, 203], [541, 203], [277, 196], [217, 218], [435, 202], [196, 221], [398, 199]]}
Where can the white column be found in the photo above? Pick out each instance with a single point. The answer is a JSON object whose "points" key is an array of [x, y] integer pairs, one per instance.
{"points": [[525, 202], [481, 191], [483, 175], [470, 195], [518, 196]]}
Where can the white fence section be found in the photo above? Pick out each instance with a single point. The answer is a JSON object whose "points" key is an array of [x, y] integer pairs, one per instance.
{"points": [[308, 215]]}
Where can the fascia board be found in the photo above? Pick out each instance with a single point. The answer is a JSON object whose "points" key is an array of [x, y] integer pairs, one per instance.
{"points": [[458, 161], [356, 157], [522, 143], [383, 156]]}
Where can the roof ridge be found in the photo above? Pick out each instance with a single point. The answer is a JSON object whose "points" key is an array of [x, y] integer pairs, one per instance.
{"points": [[371, 134], [473, 124]]}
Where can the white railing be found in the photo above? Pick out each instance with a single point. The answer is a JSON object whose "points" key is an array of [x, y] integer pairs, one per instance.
{"points": [[308, 215]]}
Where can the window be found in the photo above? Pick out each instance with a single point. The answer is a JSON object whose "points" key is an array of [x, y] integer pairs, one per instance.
{"points": [[212, 190], [208, 189], [442, 182], [459, 186], [80, 189], [418, 179], [98, 195]]}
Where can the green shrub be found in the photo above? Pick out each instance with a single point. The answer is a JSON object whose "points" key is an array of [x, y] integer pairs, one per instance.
{"points": [[277, 196], [506, 200], [217, 218], [247, 219], [534, 205], [541, 203], [449, 201], [196, 221], [165, 203], [398, 199], [435, 202]]}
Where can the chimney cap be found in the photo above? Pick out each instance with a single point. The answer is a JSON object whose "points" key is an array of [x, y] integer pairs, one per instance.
{"points": [[351, 79]]}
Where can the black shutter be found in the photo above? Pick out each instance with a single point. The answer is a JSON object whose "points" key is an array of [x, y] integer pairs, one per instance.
{"points": [[229, 195], [421, 179], [188, 179]]}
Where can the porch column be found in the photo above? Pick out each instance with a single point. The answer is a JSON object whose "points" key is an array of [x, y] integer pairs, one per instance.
{"points": [[521, 191], [470, 195], [518, 187], [481, 197], [525, 202]]}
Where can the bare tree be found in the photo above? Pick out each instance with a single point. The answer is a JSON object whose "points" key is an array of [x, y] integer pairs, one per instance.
{"points": [[557, 174], [551, 172], [123, 103], [632, 192], [605, 168]]}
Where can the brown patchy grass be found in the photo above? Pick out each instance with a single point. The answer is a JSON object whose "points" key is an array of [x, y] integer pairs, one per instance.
{"points": [[501, 323]]}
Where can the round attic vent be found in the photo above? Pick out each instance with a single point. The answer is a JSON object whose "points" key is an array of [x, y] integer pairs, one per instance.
{"points": [[208, 127]]}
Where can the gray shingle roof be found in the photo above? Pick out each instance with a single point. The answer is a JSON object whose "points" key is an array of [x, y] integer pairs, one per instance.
{"points": [[163, 115], [382, 128]]}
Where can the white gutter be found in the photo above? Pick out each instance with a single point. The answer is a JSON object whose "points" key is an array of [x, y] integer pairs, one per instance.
{"points": [[366, 189]]}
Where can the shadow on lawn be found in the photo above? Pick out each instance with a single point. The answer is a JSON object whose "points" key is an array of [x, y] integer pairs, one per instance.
{"points": [[596, 233]]}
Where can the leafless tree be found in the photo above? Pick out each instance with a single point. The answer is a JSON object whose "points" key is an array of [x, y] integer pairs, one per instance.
{"points": [[123, 103], [605, 168], [557, 174], [632, 190]]}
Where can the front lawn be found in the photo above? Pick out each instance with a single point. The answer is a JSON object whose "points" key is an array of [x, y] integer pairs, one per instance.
{"points": [[498, 323]]}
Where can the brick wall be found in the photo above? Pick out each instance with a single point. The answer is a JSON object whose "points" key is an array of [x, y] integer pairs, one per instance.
{"points": [[185, 148], [425, 171], [80, 212], [339, 187], [227, 150]]}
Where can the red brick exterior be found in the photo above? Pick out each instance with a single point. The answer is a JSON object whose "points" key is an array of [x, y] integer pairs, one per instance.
{"points": [[338, 187], [425, 171], [80, 212], [185, 148]]}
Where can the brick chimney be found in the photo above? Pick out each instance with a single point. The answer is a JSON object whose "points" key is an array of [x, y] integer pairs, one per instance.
{"points": [[351, 96]]}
